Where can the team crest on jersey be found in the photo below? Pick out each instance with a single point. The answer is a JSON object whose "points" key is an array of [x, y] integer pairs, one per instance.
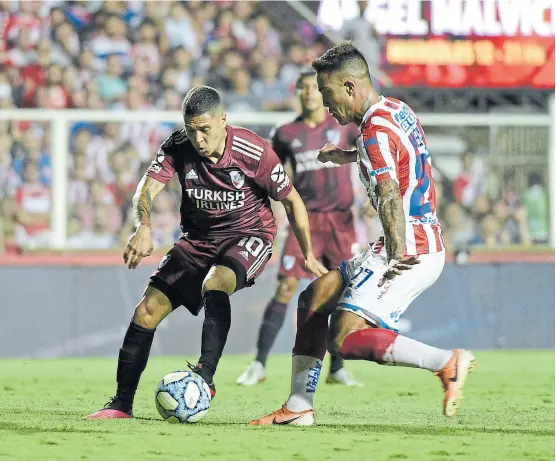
{"points": [[333, 136], [238, 180], [288, 262]]}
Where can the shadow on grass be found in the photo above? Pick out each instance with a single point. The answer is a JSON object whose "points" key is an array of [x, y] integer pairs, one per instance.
{"points": [[27, 429], [436, 430]]}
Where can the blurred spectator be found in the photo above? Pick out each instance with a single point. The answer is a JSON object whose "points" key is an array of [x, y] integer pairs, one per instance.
{"points": [[471, 180], [361, 32], [181, 31], [31, 151], [111, 85], [100, 237], [241, 98], [268, 88], [537, 207], [66, 44], [34, 205], [112, 41], [267, 37], [9, 179], [458, 231]]}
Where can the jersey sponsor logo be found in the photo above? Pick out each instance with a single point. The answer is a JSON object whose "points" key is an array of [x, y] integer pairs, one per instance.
{"points": [[384, 169], [371, 142], [288, 262], [296, 143], [333, 136], [278, 174], [245, 255], [238, 179], [284, 184], [155, 167], [191, 174], [308, 161], [206, 199], [313, 378]]}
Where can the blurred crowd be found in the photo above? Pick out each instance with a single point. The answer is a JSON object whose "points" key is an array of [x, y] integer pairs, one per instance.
{"points": [[141, 55]]}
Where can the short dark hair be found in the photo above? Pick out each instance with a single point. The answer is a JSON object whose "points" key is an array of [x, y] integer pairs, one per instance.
{"points": [[305, 72], [200, 100], [343, 57]]}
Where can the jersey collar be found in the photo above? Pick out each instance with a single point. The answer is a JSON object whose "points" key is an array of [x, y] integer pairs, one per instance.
{"points": [[370, 110]]}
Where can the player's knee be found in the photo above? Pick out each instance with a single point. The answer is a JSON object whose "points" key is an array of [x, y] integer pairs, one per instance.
{"points": [[152, 310], [220, 278], [334, 345], [307, 299], [286, 289]]}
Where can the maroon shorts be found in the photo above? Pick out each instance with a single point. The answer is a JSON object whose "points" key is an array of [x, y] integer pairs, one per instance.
{"points": [[182, 271], [333, 237]]}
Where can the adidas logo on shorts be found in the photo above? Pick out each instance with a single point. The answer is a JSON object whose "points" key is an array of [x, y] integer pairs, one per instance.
{"points": [[244, 254]]}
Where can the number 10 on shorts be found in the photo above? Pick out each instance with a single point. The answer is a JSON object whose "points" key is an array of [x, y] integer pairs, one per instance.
{"points": [[254, 245]]}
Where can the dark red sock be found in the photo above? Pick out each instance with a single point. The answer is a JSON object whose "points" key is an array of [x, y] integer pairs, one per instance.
{"points": [[369, 344], [312, 329]]}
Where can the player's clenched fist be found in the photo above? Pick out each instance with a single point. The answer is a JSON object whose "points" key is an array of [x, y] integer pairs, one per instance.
{"points": [[332, 153], [140, 245]]}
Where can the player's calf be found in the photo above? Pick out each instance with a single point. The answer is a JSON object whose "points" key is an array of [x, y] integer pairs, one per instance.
{"points": [[134, 353]]}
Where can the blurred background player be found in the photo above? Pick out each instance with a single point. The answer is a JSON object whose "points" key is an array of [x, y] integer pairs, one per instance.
{"points": [[327, 192], [367, 294], [227, 175]]}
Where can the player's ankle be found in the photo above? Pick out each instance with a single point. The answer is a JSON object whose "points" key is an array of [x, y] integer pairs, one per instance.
{"points": [[125, 397]]}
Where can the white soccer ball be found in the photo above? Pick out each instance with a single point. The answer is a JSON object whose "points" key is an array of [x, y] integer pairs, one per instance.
{"points": [[182, 397]]}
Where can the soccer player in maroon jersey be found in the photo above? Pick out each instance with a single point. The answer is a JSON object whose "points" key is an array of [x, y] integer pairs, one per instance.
{"points": [[367, 294], [327, 191], [228, 175]]}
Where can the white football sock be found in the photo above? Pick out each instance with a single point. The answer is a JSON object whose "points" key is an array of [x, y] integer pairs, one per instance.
{"points": [[407, 352], [305, 377]]}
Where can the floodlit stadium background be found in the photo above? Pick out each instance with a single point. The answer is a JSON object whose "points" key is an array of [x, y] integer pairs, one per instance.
{"points": [[88, 90]]}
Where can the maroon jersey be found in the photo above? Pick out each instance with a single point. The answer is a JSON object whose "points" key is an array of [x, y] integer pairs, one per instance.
{"points": [[322, 186], [230, 197]]}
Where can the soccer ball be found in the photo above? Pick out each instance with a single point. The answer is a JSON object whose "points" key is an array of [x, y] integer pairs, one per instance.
{"points": [[182, 397]]}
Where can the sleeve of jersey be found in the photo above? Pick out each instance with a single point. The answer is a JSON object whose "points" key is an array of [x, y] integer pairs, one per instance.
{"points": [[380, 147], [162, 167], [278, 145], [272, 176]]}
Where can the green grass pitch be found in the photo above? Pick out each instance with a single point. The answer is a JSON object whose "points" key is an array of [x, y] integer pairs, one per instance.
{"points": [[508, 414]]}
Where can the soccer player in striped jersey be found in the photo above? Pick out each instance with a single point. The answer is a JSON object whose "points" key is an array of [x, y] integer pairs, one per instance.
{"points": [[227, 175], [367, 294]]}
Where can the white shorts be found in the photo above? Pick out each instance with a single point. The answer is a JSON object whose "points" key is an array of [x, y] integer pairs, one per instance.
{"points": [[384, 305]]}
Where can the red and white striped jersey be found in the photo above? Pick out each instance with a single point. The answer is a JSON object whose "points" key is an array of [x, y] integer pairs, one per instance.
{"points": [[392, 145]]}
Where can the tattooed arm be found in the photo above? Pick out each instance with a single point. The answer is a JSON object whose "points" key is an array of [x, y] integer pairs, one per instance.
{"points": [[391, 214], [141, 242], [392, 217], [147, 189]]}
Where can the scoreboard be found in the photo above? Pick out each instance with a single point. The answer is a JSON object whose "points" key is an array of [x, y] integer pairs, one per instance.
{"points": [[458, 43]]}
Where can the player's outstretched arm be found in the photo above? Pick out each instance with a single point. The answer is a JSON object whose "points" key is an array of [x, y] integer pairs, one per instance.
{"points": [[332, 153], [299, 222], [392, 217], [141, 242]]}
